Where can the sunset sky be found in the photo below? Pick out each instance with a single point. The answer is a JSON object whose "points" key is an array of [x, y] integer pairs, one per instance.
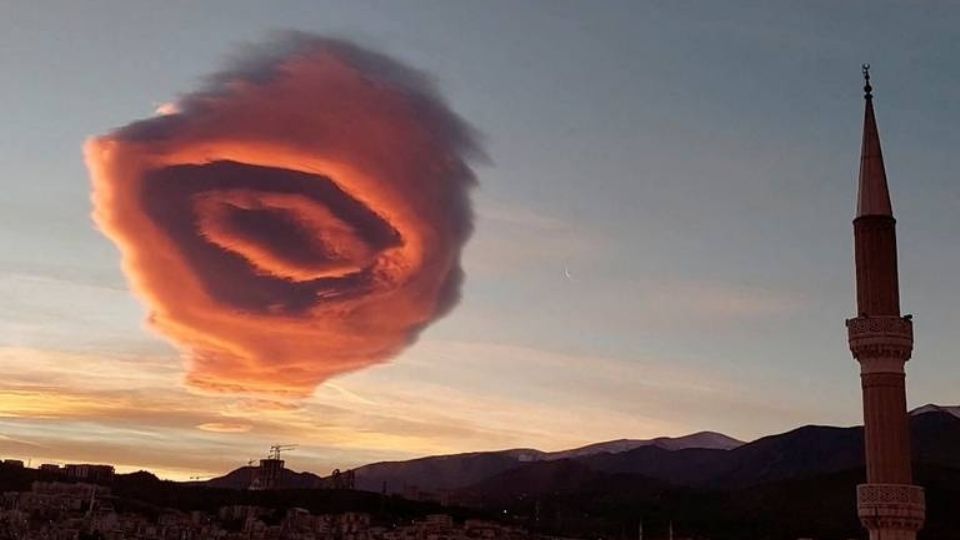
{"points": [[662, 238]]}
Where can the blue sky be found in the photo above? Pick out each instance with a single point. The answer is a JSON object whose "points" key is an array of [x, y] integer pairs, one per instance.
{"points": [[690, 165]]}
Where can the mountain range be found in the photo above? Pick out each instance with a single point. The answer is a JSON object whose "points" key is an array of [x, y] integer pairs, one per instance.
{"points": [[449, 472], [703, 460], [794, 484], [453, 472]]}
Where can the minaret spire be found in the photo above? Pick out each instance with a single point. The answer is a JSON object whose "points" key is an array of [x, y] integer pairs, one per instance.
{"points": [[873, 198]]}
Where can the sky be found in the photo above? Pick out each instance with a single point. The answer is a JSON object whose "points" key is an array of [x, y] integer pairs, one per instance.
{"points": [[662, 240]]}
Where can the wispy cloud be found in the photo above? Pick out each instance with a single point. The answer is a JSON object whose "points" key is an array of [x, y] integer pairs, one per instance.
{"points": [[511, 237], [677, 304], [713, 300], [439, 397], [225, 427]]}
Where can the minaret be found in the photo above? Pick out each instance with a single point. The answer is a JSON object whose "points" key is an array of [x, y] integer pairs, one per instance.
{"points": [[889, 505]]}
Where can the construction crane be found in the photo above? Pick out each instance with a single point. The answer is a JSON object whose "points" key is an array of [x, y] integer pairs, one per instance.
{"points": [[276, 449]]}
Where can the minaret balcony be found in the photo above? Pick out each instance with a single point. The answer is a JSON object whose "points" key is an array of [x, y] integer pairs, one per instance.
{"points": [[878, 338], [891, 506]]}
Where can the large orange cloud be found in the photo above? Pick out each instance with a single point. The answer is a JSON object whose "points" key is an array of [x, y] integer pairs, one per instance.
{"points": [[299, 218]]}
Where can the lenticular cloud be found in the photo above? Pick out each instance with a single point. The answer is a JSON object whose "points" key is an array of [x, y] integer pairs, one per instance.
{"points": [[300, 217]]}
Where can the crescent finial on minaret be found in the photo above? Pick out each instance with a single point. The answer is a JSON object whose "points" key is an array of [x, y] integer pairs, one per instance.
{"points": [[867, 89]]}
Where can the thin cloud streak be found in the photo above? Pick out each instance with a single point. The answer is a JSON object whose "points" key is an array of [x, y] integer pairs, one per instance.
{"points": [[684, 305], [225, 427], [512, 238], [440, 397]]}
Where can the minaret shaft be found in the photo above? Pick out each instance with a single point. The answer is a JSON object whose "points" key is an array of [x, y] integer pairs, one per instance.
{"points": [[875, 247], [886, 428], [882, 341]]}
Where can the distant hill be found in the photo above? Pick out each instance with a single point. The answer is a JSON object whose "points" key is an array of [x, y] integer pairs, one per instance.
{"points": [[445, 473], [242, 478], [802, 452], [936, 437], [554, 478], [955, 410], [440, 472], [787, 486], [810, 450], [703, 439], [700, 460]]}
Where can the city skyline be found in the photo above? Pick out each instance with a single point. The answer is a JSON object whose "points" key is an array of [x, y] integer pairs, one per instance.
{"points": [[661, 240]]}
